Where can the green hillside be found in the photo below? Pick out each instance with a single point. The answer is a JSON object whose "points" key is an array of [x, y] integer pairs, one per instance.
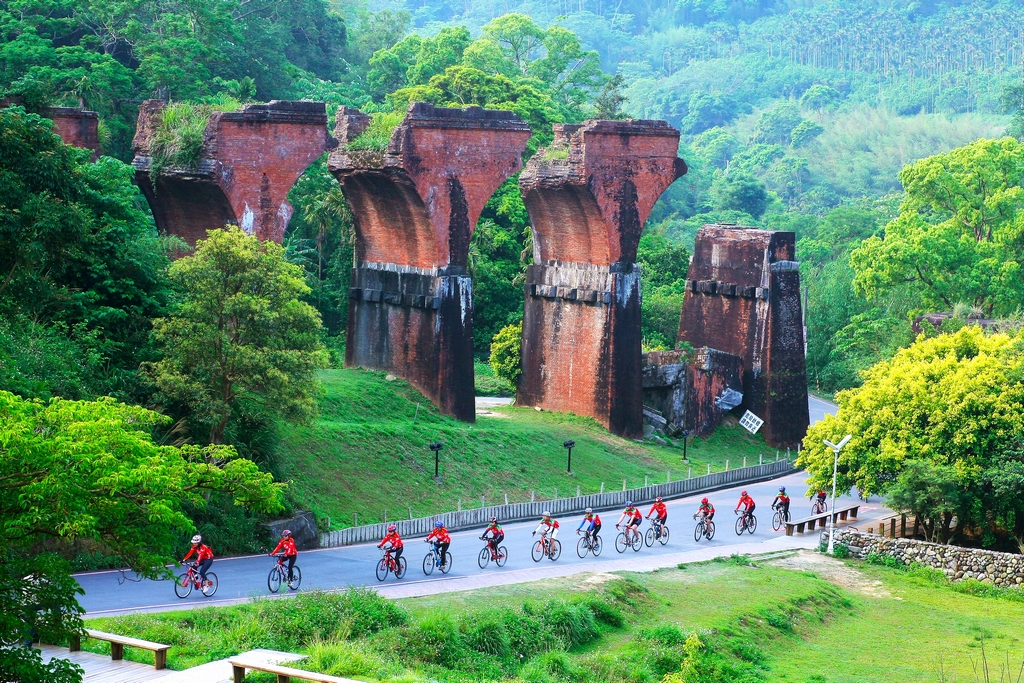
{"points": [[367, 453]]}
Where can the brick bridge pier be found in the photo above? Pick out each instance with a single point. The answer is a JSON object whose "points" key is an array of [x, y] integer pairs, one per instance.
{"points": [[250, 160], [415, 206], [588, 196]]}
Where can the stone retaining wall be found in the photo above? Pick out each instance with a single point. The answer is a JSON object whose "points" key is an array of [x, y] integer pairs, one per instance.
{"points": [[1002, 569]]}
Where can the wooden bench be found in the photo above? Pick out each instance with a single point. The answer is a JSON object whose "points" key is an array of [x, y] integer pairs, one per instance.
{"points": [[284, 674], [118, 643], [798, 525]]}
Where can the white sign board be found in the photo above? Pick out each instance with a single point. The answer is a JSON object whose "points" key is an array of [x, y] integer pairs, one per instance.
{"points": [[751, 422]]}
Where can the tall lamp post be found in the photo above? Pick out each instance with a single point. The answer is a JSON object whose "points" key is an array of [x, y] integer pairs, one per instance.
{"points": [[436, 447], [568, 446], [835, 471]]}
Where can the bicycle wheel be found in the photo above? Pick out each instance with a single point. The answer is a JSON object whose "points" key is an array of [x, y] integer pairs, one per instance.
{"points": [[664, 535], [649, 537], [428, 563], [620, 542], [777, 520], [582, 548], [711, 530], [484, 557], [183, 586], [698, 531], [752, 524], [401, 567], [740, 525], [502, 556], [638, 541], [210, 587], [538, 551], [556, 550], [597, 546], [447, 566], [274, 579], [382, 569], [296, 578]]}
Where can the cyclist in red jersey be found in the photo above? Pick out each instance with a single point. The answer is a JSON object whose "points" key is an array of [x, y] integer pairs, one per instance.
{"points": [[706, 509], [439, 536], [782, 501], [592, 522], [494, 535], [291, 552], [548, 528], [659, 510], [747, 503], [204, 557], [394, 542]]}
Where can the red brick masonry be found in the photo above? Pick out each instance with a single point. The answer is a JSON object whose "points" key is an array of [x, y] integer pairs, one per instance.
{"points": [[77, 127], [588, 196]]}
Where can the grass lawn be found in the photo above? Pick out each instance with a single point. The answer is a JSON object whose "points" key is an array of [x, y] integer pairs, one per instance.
{"points": [[367, 453], [801, 618], [489, 384]]}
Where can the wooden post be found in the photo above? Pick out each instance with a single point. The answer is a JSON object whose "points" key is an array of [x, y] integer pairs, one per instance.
{"points": [[76, 644], [726, 465], [916, 522], [161, 659], [892, 528], [238, 673], [602, 487], [531, 496], [281, 678], [577, 491], [116, 651], [506, 499], [903, 526], [623, 484]]}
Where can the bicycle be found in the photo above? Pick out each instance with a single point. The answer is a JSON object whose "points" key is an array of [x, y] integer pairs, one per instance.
{"points": [[780, 517], [705, 528], [746, 522], [656, 531], [388, 563], [633, 540], [433, 559], [546, 547], [190, 579], [819, 507], [588, 543], [488, 554], [279, 574]]}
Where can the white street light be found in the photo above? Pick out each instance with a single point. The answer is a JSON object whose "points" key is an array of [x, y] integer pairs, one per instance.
{"points": [[835, 471]]}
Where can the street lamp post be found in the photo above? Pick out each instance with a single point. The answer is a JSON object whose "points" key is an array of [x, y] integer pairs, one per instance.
{"points": [[568, 446], [436, 447], [835, 472]]}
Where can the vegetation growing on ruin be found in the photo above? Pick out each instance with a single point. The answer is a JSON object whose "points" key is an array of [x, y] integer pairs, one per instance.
{"points": [[178, 136], [378, 134]]}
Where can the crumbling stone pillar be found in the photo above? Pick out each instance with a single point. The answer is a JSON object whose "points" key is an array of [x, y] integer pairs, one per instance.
{"points": [[743, 297], [415, 206], [77, 127], [588, 196], [250, 160]]}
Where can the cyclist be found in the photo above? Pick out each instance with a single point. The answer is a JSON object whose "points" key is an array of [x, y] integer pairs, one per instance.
{"points": [[821, 499], [747, 503], [632, 516], [706, 509], [441, 540], [204, 557], [547, 527], [782, 501], [394, 542], [592, 521], [493, 535], [660, 512], [291, 552]]}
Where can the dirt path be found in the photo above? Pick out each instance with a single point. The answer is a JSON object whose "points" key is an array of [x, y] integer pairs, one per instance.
{"points": [[833, 571]]}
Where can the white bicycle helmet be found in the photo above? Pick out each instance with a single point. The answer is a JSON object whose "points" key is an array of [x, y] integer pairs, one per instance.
{"points": [[197, 539]]}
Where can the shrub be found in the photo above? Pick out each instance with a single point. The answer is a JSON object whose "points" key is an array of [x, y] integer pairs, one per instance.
{"points": [[527, 635], [840, 551], [573, 624], [548, 668], [486, 632], [506, 349], [378, 134], [605, 613], [436, 640], [628, 592], [665, 634]]}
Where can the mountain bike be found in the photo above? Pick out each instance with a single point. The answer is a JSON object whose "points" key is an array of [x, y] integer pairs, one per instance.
{"points": [[745, 522], [388, 563], [588, 543], [279, 574], [190, 579], [433, 559], [487, 554], [630, 538], [656, 531], [546, 547], [818, 507], [780, 517], [705, 528]]}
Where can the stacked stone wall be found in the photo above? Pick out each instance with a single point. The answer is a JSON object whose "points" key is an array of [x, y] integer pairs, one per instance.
{"points": [[957, 563]]}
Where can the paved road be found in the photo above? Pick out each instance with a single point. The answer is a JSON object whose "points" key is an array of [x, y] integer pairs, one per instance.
{"points": [[246, 577]]}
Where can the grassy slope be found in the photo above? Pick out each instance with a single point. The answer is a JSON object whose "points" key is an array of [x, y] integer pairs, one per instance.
{"points": [[367, 452]]}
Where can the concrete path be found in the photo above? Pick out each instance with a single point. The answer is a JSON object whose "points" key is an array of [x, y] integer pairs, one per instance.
{"points": [[819, 408], [244, 578]]}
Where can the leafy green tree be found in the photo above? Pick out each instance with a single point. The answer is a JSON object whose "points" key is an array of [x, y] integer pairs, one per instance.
{"points": [[820, 98], [438, 53], [518, 37], [239, 341], [663, 266], [506, 352], [608, 103], [740, 192], [776, 125], [709, 110], [958, 234], [804, 133], [933, 494], [716, 147], [73, 470]]}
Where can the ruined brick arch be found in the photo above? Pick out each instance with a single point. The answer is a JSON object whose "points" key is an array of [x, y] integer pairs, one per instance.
{"points": [[250, 161], [415, 206]]}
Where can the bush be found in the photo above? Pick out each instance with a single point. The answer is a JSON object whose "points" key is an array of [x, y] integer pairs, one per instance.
{"points": [[527, 635], [841, 551], [605, 613], [178, 138], [573, 624], [378, 134], [436, 640], [506, 349], [486, 632]]}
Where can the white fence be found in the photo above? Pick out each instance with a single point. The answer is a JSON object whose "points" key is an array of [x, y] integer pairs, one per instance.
{"points": [[517, 512]]}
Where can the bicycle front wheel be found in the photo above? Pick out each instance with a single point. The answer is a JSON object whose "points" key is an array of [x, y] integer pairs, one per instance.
{"points": [[502, 556], [296, 578], [210, 587], [777, 520], [538, 551], [556, 550], [428, 563], [582, 548], [484, 557], [752, 524], [620, 542], [597, 546], [740, 525], [401, 567], [698, 532], [663, 539], [183, 586], [274, 579], [382, 569], [649, 537]]}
